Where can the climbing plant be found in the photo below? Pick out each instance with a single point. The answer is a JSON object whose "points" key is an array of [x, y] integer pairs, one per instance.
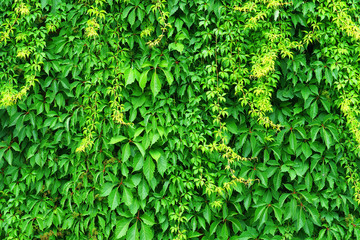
{"points": [[178, 119]]}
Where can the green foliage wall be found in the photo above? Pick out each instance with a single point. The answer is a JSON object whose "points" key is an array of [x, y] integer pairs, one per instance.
{"points": [[179, 119]]}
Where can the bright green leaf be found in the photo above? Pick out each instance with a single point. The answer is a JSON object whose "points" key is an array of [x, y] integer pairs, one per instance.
{"points": [[155, 84]]}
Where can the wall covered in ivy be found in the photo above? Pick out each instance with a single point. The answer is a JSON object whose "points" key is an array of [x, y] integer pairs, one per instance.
{"points": [[179, 119]]}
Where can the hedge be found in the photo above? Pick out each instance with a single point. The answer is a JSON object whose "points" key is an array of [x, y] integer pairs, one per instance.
{"points": [[179, 119]]}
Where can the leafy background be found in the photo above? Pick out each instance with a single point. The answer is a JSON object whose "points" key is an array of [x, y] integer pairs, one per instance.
{"points": [[115, 117]]}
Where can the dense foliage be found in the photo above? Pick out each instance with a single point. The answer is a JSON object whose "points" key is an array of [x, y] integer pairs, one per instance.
{"points": [[179, 119]]}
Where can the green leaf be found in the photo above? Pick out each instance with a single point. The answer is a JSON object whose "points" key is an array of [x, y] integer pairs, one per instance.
{"points": [[302, 132], [327, 104], [114, 199], [308, 181], [207, 214], [293, 141], [163, 64], [318, 147], [155, 153], [126, 152], [264, 216], [328, 76], [224, 232], [313, 110], [129, 76], [127, 196], [169, 77], [143, 189], [106, 189], [122, 227], [306, 150], [300, 220], [176, 46], [213, 227], [155, 84], [262, 177], [318, 74], [143, 79], [314, 215], [147, 64], [131, 17], [9, 156], [146, 233], [277, 180], [141, 148], [133, 233], [305, 92], [117, 139], [162, 165], [313, 132], [278, 213], [44, 3], [259, 212], [236, 224], [149, 168], [148, 219], [326, 137]]}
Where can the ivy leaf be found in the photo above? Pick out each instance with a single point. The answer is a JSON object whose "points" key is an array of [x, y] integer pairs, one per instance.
{"points": [[149, 168], [326, 137], [143, 189], [176, 46], [213, 227], [126, 152], [314, 215], [207, 214], [259, 212], [163, 64], [308, 181], [313, 110], [305, 92], [224, 232], [44, 3], [328, 76], [169, 77], [141, 148], [326, 104], [306, 150], [127, 196], [162, 165], [146, 233], [293, 141], [106, 189], [131, 17], [300, 220], [313, 133], [117, 139], [122, 227], [236, 224], [114, 199], [129, 75], [155, 153], [277, 180], [133, 232], [278, 213], [143, 79], [155, 84], [9, 156], [126, 12], [318, 74], [148, 219]]}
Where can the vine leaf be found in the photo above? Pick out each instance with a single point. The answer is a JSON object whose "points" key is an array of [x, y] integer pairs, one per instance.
{"points": [[121, 227], [155, 84], [143, 79]]}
